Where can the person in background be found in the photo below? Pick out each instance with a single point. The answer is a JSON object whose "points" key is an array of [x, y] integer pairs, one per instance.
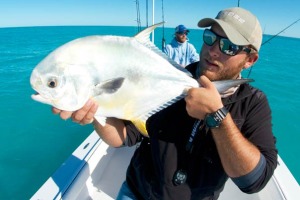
{"points": [[197, 143], [180, 50]]}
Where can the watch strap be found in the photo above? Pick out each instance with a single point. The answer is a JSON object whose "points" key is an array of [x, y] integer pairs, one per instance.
{"points": [[221, 113], [213, 120]]}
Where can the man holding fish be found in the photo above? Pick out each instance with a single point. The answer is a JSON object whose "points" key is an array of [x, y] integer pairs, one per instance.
{"points": [[197, 143]]}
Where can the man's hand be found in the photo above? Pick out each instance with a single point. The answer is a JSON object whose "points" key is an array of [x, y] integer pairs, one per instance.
{"points": [[203, 100], [83, 116]]}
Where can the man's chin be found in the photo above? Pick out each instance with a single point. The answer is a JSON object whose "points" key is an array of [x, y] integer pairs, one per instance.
{"points": [[211, 75]]}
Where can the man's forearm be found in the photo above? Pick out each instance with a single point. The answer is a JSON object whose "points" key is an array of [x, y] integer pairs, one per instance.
{"points": [[238, 156], [113, 133]]}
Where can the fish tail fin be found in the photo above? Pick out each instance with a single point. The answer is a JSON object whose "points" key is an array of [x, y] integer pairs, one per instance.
{"points": [[222, 86]]}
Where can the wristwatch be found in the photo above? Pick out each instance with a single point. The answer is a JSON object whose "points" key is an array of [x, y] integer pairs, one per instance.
{"points": [[213, 120]]}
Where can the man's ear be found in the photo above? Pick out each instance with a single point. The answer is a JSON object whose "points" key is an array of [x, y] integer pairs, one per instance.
{"points": [[252, 58]]}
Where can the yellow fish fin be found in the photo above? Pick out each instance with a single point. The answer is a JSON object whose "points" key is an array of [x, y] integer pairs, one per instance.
{"points": [[141, 126]]}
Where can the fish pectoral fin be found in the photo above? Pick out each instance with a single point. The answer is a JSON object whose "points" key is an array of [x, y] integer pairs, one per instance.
{"points": [[101, 120], [109, 86]]}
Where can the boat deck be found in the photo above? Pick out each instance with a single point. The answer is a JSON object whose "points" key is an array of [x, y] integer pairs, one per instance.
{"points": [[96, 171]]}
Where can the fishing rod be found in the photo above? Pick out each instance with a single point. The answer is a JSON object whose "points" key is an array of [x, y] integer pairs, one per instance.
{"points": [[163, 28], [273, 38], [147, 24], [281, 31], [138, 15]]}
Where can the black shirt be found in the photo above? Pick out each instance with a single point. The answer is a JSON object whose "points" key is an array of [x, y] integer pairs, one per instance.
{"points": [[153, 165]]}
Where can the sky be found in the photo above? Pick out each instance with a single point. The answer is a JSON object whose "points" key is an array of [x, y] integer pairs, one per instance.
{"points": [[274, 15]]}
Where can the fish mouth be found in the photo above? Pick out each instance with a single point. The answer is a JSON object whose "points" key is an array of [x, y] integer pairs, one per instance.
{"points": [[52, 102], [39, 98]]}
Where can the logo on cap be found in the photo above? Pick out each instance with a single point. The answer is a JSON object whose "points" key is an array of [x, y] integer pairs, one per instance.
{"points": [[223, 14]]}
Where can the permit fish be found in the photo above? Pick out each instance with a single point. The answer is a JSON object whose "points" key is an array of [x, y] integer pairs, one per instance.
{"points": [[129, 77]]}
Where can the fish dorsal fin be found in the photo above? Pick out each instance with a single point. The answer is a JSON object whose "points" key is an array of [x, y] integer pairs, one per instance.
{"points": [[143, 37]]}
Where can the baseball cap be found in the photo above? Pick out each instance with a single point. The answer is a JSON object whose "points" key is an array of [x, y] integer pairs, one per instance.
{"points": [[240, 26], [181, 29]]}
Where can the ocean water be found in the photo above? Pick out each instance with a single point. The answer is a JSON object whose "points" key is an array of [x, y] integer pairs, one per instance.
{"points": [[34, 142]]}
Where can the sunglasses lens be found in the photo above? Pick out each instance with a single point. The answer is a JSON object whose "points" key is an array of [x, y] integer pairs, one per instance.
{"points": [[225, 45], [209, 37], [228, 47], [182, 33]]}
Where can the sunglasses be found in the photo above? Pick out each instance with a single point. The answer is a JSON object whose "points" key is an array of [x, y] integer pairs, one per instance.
{"points": [[182, 33], [225, 45]]}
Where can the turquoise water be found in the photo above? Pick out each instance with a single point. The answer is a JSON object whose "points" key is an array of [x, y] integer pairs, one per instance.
{"points": [[34, 142]]}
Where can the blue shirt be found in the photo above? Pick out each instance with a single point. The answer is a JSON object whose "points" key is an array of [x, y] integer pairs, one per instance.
{"points": [[182, 53]]}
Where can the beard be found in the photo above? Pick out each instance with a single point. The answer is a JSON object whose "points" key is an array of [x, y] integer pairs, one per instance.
{"points": [[219, 71]]}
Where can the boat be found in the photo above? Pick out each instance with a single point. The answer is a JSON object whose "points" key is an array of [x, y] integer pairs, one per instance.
{"points": [[96, 171]]}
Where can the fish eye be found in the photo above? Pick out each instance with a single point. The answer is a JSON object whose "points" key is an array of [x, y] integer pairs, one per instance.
{"points": [[52, 82]]}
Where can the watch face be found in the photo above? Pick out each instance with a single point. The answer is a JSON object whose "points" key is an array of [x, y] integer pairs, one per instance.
{"points": [[211, 122]]}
